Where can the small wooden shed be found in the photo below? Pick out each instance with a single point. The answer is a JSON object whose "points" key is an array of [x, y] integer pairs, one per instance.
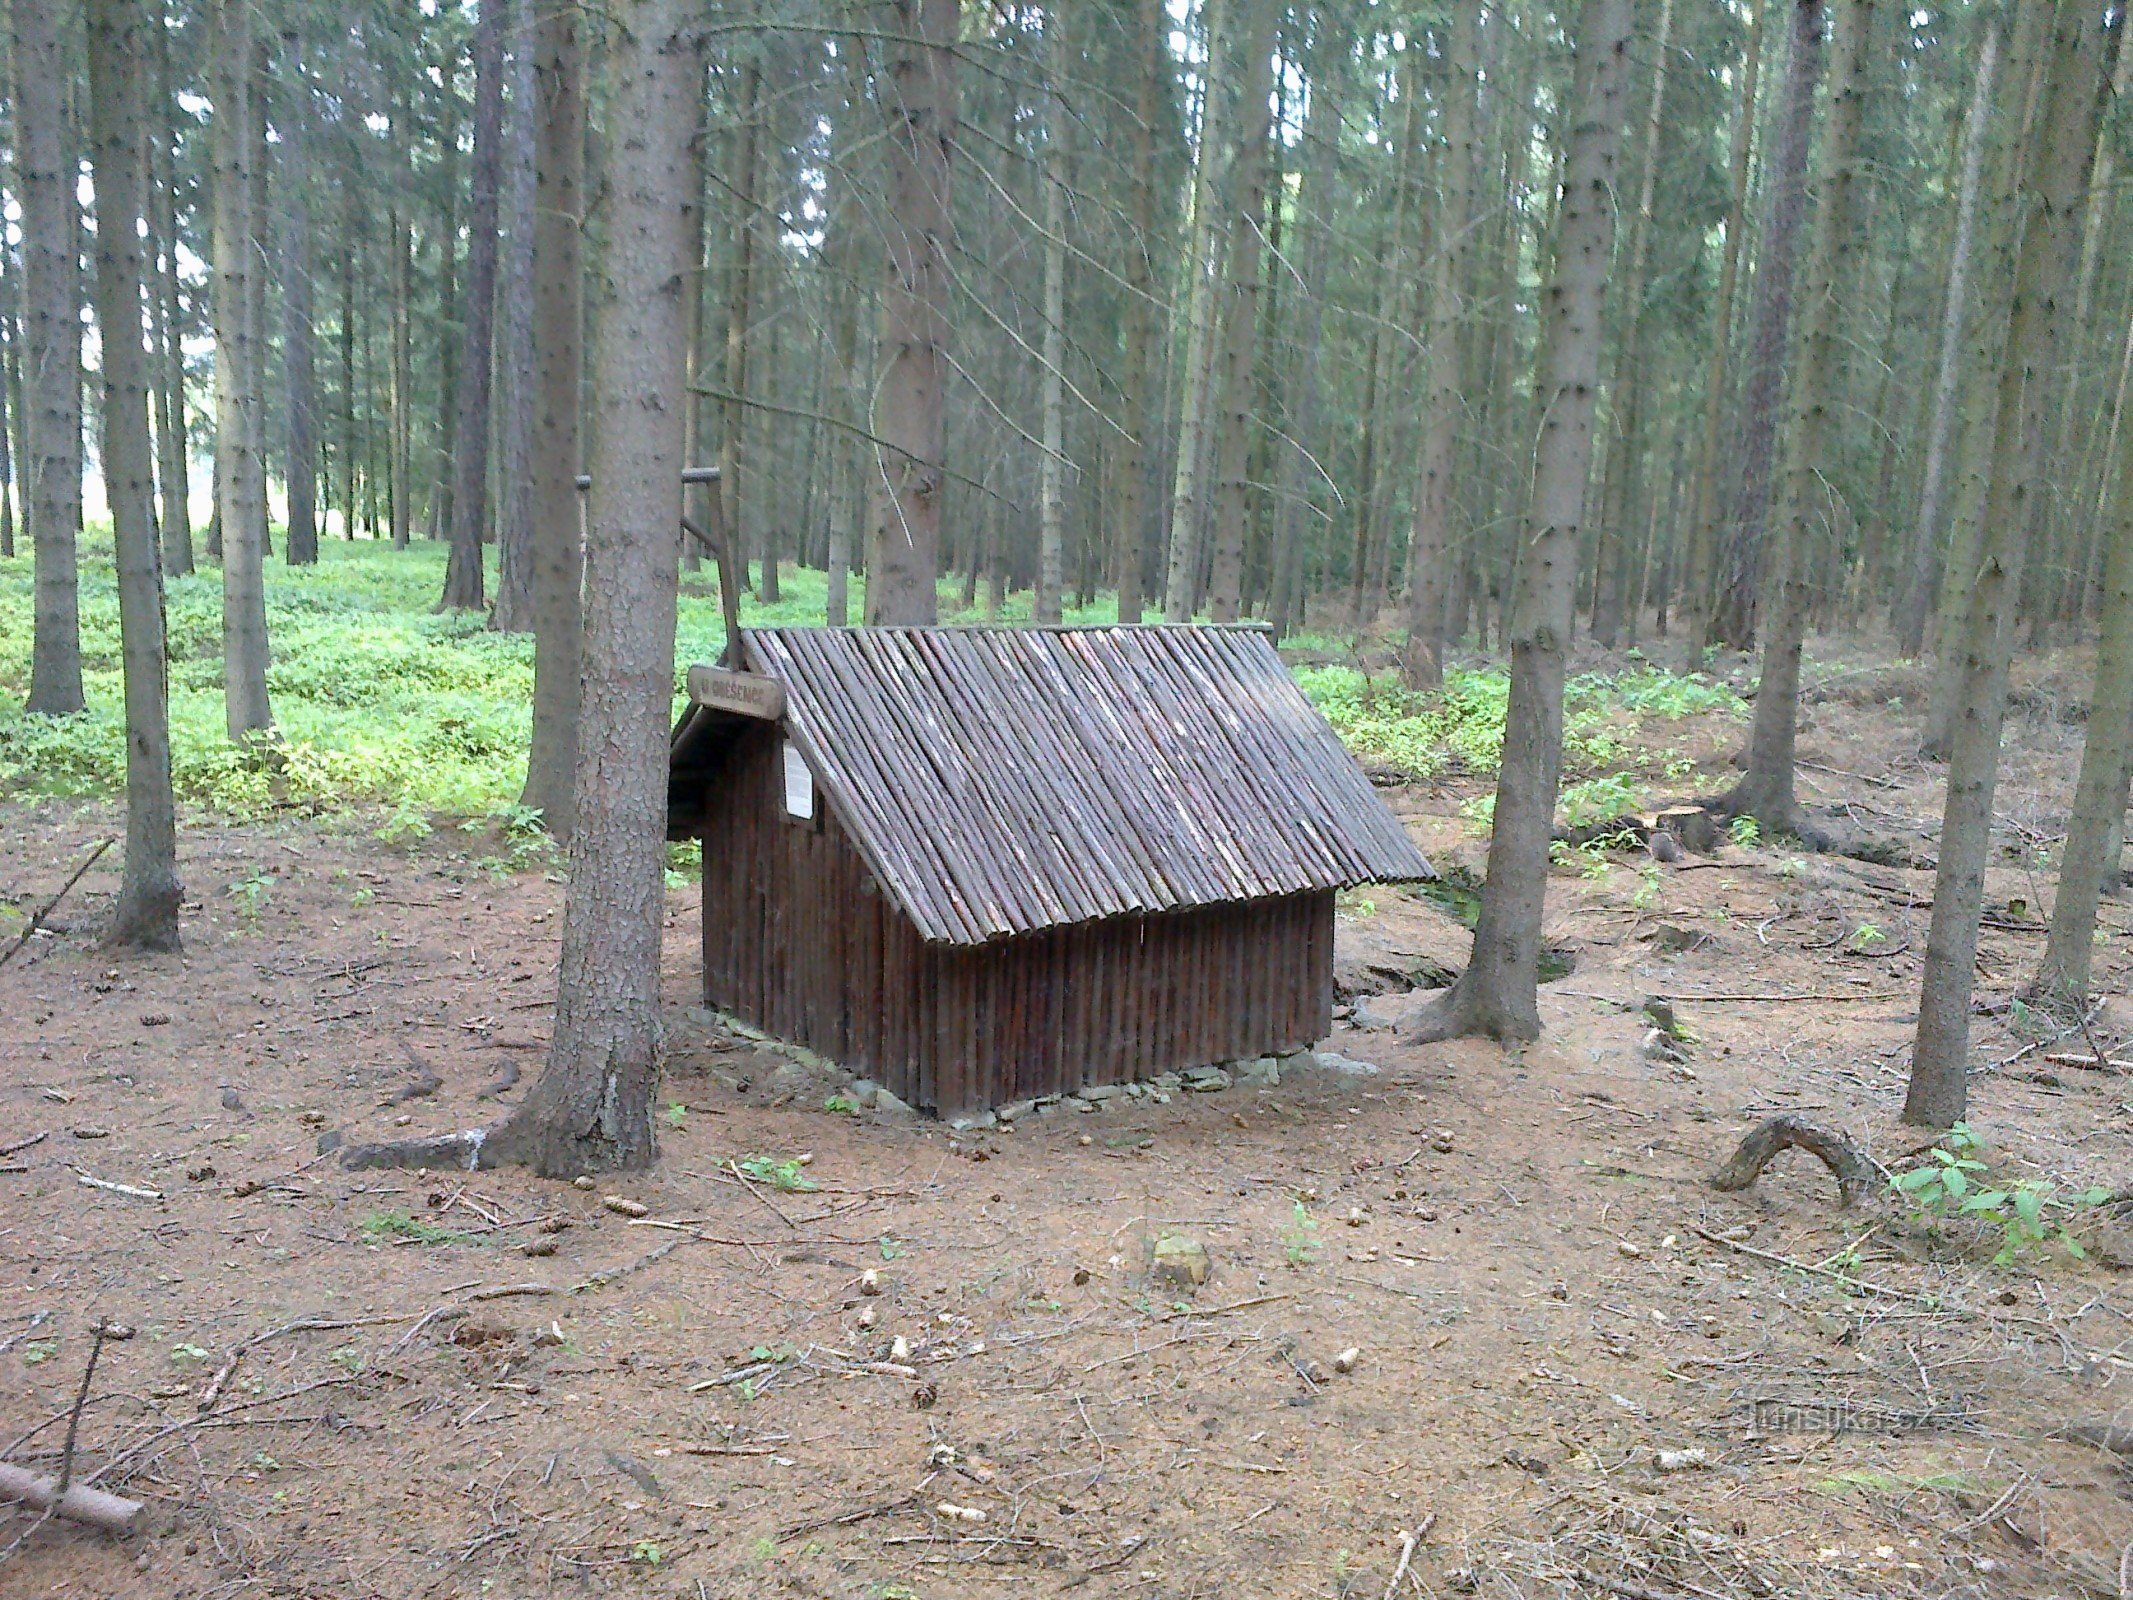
{"points": [[985, 864]]}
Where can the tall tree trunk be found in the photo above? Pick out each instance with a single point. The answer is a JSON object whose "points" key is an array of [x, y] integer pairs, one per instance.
{"points": [[1498, 993], [1053, 464], [848, 226], [1240, 311], [149, 895], [1915, 594], [592, 1107], [255, 410], [1810, 465], [1436, 494], [1615, 548], [301, 543], [2094, 833], [733, 466], [450, 317], [2055, 169], [240, 475], [400, 386], [1732, 619], [43, 59], [1698, 589], [910, 458], [558, 255], [463, 578], [8, 402], [1203, 266], [1152, 67], [173, 440], [514, 533]]}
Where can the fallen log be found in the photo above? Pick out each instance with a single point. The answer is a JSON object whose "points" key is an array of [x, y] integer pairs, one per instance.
{"points": [[91, 1507], [1856, 1173]]}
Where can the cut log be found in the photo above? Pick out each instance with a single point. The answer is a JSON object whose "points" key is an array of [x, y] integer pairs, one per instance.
{"points": [[1694, 827], [1856, 1173], [91, 1507]]}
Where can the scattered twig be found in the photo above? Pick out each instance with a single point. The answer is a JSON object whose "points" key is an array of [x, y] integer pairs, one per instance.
{"points": [[602, 1279], [841, 1519], [1628, 1591], [1869, 1287], [1185, 1312], [24, 1144], [131, 1191], [507, 1290], [1408, 1541], [213, 1392], [45, 910], [98, 1333], [1781, 999]]}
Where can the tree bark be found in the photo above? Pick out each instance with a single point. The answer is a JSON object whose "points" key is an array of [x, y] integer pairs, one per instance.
{"points": [[847, 222], [463, 577], [558, 269], [1498, 993], [1430, 540], [44, 167], [592, 1107], [300, 544], [240, 475], [1240, 311], [149, 894], [2054, 173], [514, 611], [1914, 602], [1810, 470], [1732, 618], [908, 471]]}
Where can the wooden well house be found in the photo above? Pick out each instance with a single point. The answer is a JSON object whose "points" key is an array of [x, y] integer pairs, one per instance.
{"points": [[984, 864]]}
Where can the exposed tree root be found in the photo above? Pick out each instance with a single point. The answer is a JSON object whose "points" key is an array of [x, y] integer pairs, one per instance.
{"points": [[435, 1152], [1467, 1011], [1773, 814], [1856, 1173]]}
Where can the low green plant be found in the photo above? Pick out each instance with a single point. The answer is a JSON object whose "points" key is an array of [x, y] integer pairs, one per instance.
{"points": [[399, 1225], [786, 1174], [1745, 831], [2028, 1212], [841, 1105], [676, 1113], [251, 893], [1299, 1240]]}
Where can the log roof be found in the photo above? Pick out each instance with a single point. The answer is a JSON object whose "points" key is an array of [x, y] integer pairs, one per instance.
{"points": [[1003, 780]]}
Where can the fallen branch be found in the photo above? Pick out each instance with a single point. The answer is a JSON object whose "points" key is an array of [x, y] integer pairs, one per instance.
{"points": [[508, 1290], [215, 1384], [45, 910], [443, 1152], [24, 1144], [1781, 999], [602, 1279], [1881, 1289], [131, 1191], [1856, 1172], [92, 1507], [2058, 1058]]}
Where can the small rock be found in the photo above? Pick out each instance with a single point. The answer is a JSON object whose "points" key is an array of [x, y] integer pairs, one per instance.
{"points": [[1680, 1460], [201, 1173], [1083, 1138], [1098, 1093], [1658, 1046], [1629, 1248], [954, 1513], [584, 1180], [900, 1350], [1080, 1104], [1208, 1080], [1263, 1073], [538, 1247], [623, 1206], [866, 1318], [1181, 1261], [1347, 1359], [1441, 1141], [1334, 1061], [1166, 1080], [1355, 1217], [863, 1092], [330, 1142], [1015, 1110], [974, 1122], [890, 1105], [870, 1282], [552, 1224], [231, 1100]]}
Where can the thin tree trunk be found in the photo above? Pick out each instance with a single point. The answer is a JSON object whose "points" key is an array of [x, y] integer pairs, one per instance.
{"points": [[173, 441], [44, 167], [239, 473], [1914, 601], [463, 576], [733, 466], [558, 254], [149, 894], [255, 409], [301, 542], [1615, 548], [908, 471], [2094, 832], [1732, 620], [1436, 494], [1698, 591], [514, 534], [1810, 467], [1247, 206], [2060, 147], [592, 1107], [1152, 61], [1300, 473], [848, 219], [1203, 265], [1498, 993], [450, 321], [1052, 466]]}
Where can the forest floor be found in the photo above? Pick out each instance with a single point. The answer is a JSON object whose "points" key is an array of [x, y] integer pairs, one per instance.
{"points": [[1579, 1369]]}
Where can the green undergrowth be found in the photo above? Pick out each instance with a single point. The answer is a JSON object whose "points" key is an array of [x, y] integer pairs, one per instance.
{"points": [[1615, 748], [400, 716]]}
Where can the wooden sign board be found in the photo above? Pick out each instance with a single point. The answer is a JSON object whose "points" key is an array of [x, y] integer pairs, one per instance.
{"points": [[747, 694]]}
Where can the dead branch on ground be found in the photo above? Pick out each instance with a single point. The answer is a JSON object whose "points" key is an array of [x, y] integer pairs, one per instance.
{"points": [[1856, 1173]]}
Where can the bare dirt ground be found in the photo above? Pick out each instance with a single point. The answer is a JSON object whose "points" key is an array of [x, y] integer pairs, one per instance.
{"points": [[333, 1388]]}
